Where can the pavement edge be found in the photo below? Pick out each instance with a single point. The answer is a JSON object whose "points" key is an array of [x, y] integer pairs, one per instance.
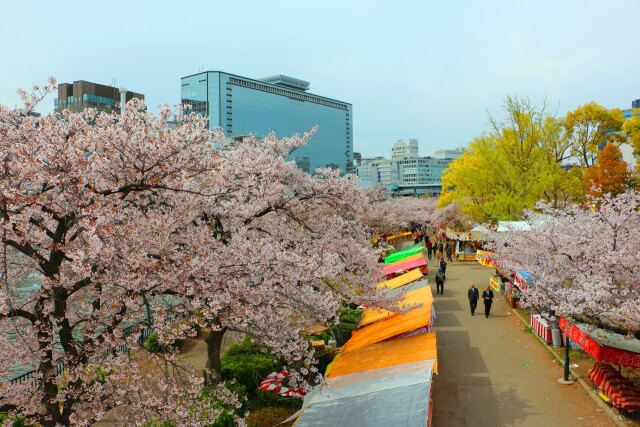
{"points": [[615, 417]]}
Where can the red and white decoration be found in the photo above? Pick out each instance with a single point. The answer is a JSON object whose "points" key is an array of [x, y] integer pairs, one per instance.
{"points": [[541, 327], [621, 391], [274, 382]]}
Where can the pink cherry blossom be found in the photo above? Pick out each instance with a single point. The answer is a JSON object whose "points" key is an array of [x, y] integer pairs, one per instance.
{"points": [[585, 262], [114, 220]]}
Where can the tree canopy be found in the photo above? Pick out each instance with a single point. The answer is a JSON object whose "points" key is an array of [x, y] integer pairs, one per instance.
{"points": [[609, 175], [119, 220], [511, 167]]}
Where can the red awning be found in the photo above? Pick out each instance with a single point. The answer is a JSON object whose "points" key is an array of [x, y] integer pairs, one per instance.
{"points": [[602, 348]]}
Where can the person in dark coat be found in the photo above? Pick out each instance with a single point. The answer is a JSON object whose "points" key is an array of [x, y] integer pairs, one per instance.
{"points": [[487, 296], [440, 282], [473, 296], [449, 251], [443, 267]]}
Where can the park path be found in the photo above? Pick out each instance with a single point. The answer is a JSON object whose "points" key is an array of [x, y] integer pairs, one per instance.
{"points": [[494, 373]]}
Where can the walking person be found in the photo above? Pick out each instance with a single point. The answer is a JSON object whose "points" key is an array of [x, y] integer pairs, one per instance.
{"points": [[487, 296], [443, 267], [449, 251], [441, 249], [429, 246], [473, 296], [440, 282]]}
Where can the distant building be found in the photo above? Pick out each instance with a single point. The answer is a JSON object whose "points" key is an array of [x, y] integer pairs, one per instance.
{"points": [[81, 94], [633, 111], [405, 149], [406, 172], [243, 106], [448, 154], [628, 154], [357, 157]]}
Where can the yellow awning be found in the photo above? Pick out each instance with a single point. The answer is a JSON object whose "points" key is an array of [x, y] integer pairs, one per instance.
{"points": [[402, 279], [386, 354], [419, 296]]}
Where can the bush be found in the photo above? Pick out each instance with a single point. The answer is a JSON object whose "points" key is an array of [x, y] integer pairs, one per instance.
{"points": [[350, 315], [269, 416], [223, 420], [153, 345], [17, 422], [248, 365], [268, 398]]}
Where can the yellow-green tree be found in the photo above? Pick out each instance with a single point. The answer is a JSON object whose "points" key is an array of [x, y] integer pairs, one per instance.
{"points": [[513, 166], [589, 126], [631, 128]]}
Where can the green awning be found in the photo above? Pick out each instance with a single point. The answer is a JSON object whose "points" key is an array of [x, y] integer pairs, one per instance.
{"points": [[397, 256]]}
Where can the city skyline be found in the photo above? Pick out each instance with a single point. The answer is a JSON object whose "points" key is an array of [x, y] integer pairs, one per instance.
{"points": [[431, 74]]}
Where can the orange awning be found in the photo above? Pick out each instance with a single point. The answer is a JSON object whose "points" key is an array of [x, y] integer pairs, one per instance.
{"points": [[386, 354], [419, 296], [390, 327], [402, 280]]}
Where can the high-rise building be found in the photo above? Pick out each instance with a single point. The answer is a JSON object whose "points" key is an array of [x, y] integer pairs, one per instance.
{"points": [[82, 94], [243, 106]]}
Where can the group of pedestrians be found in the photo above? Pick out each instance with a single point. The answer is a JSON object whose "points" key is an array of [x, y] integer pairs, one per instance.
{"points": [[437, 249], [474, 296]]}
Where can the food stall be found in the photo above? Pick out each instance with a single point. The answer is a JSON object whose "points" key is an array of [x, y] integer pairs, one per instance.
{"points": [[410, 263], [609, 348]]}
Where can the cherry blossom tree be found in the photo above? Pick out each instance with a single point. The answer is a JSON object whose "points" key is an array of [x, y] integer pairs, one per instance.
{"points": [[449, 216], [118, 219], [387, 214], [585, 262]]}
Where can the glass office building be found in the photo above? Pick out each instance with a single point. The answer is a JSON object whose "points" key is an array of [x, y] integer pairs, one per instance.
{"points": [[243, 106]]}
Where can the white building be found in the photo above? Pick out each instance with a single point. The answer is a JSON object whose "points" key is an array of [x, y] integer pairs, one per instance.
{"points": [[405, 149], [448, 154], [405, 168]]}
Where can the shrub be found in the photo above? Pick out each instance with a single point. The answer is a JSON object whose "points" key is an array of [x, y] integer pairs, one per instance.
{"points": [[350, 315], [268, 398], [269, 416], [17, 422], [248, 365], [153, 345]]}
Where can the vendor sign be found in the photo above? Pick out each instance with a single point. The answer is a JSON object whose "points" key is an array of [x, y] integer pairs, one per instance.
{"points": [[486, 258], [494, 283]]}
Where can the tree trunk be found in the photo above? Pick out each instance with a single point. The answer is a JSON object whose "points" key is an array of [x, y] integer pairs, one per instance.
{"points": [[214, 349]]}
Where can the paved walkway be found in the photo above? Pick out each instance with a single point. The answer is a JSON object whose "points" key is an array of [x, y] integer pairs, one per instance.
{"points": [[493, 373]]}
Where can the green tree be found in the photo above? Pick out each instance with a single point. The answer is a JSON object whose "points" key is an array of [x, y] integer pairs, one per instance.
{"points": [[513, 166], [631, 128], [590, 125]]}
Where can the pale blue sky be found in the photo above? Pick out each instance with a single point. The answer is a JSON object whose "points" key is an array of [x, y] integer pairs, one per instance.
{"points": [[423, 69]]}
